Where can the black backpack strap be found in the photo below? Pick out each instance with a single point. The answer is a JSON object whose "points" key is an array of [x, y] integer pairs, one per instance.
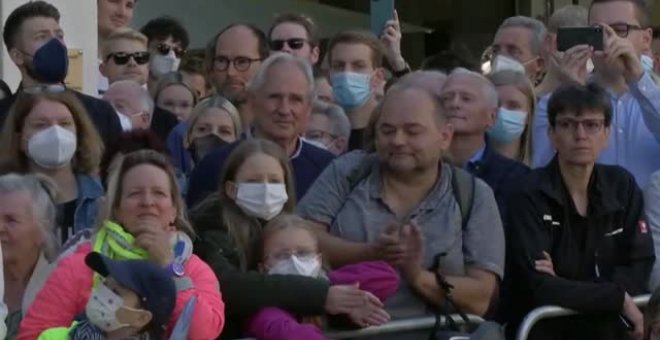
{"points": [[462, 184]]}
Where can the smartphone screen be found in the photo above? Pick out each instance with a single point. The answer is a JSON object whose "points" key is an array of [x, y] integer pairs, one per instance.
{"points": [[381, 12], [568, 37]]}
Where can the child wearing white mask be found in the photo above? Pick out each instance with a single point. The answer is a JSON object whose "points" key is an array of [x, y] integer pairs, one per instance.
{"points": [[133, 301], [290, 247], [511, 136], [256, 186]]}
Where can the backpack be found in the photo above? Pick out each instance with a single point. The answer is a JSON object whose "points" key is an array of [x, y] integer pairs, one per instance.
{"points": [[462, 184]]}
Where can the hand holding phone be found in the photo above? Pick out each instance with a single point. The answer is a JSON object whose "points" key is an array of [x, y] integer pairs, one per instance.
{"points": [[382, 11]]}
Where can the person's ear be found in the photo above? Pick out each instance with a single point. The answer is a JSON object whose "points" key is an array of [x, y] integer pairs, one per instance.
{"points": [[552, 137], [102, 69], [17, 57], [378, 78], [446, 136], [647, 38], [492, 117], [231, 189], [142, 319], [340, 145], [314, 55]]}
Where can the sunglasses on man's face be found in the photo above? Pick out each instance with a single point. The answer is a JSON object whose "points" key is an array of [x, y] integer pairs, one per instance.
{"points": [[294, 44], [165, 49], [121, 58]]}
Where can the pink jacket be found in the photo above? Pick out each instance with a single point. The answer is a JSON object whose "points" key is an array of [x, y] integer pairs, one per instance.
{"points": [[65, 295], [378, 278]]}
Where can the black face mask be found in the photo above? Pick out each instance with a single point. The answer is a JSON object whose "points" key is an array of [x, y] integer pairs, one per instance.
{"points": [[201, 146]]}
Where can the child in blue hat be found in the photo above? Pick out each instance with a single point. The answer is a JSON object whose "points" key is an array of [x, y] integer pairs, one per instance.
{"points": [[133, 299]]}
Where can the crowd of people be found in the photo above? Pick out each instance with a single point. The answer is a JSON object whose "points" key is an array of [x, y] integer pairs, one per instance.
{"points": [[271, 189]]}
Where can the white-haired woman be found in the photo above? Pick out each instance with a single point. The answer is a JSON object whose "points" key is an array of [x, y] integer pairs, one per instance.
{"points": [[27, 220]]}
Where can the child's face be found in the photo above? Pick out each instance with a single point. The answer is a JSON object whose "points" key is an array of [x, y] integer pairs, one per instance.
{"points": [[125, 315], [284, 243]]}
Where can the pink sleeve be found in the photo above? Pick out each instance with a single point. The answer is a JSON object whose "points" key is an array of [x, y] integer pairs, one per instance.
{"points": [[276, 324], [376, 277], [62, 298], [209, 315]]}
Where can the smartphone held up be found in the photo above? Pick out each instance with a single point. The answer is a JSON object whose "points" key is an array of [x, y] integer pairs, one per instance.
{"points": [[568, 37]]}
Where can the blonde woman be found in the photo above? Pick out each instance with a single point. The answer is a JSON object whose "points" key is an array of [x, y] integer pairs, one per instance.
{"points": [[213, 122], [511, 135]]}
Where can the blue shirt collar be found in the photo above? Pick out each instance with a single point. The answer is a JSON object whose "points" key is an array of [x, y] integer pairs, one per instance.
{"points": [[477, 157]]}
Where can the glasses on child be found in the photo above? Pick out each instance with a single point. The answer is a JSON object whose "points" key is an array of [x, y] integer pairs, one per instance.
{"points": [[285, 254], [122, 58]]}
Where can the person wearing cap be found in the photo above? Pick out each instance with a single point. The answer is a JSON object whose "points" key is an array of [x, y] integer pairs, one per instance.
{"points": [[134, 299], [145, 221]]}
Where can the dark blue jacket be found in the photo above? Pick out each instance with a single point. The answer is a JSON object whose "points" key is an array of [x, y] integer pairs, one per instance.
{"points": [[102, 115], [307, 165], [500, 173]]}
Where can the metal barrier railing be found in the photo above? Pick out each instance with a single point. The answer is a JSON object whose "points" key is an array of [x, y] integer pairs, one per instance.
{"points": [[397, 326], [547, 312]]}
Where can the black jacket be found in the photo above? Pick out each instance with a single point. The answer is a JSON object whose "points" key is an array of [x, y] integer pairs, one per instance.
{"points": [[162, 123], [501, 174], [596, 258], [102, 115], [245, 292]]}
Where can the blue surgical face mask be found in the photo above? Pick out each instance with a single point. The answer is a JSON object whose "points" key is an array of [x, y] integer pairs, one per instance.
{"points": [[647, 63], [50, 63], [509, 125], [351, 90]]}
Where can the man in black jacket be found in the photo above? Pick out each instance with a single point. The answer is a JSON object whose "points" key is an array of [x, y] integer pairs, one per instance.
{"points": [[576, 238], [34, 40]]}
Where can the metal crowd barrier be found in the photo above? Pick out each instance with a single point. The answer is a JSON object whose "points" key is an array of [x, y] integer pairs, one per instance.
{"points": [[547, 312], [397, 326]]}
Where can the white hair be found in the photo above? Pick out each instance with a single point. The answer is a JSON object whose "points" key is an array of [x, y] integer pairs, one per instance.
{"points": [[568, 16], [259, 79], [488, 90], [143, 93], [42, 192], [536, 27], [341, 126]]}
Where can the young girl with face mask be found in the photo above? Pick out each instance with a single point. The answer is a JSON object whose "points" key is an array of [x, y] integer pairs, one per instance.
{"points": [[511, 135], [257, 185], [134, 301], [290, 247]]}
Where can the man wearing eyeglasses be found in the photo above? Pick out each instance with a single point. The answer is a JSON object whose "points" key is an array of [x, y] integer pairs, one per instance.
{"points": [[233, 56], [168, 41], [577, 238], [35, 43], [634, 96], [295, 34]]}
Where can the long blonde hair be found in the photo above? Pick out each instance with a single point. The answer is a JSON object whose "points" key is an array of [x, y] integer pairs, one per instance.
{"points": [[201, 109], [151, 157], [520, 81]]}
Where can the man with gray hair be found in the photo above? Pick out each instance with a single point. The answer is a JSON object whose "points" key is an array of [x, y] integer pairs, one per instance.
{"points": [[564, 66], [280, 96], [133, 104], [519, 38], [329, 127], [470, 102]]}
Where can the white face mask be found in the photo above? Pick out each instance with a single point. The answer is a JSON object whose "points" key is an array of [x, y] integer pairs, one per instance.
{"points": [[102, 307], [262, 200], [502, 62], [317, 143], [305, 266], [160, 65], [52, 148], [590, 66]]}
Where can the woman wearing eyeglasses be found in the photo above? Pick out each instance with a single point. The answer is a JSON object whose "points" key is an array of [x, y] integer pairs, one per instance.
{"points": [[51, 134]]}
